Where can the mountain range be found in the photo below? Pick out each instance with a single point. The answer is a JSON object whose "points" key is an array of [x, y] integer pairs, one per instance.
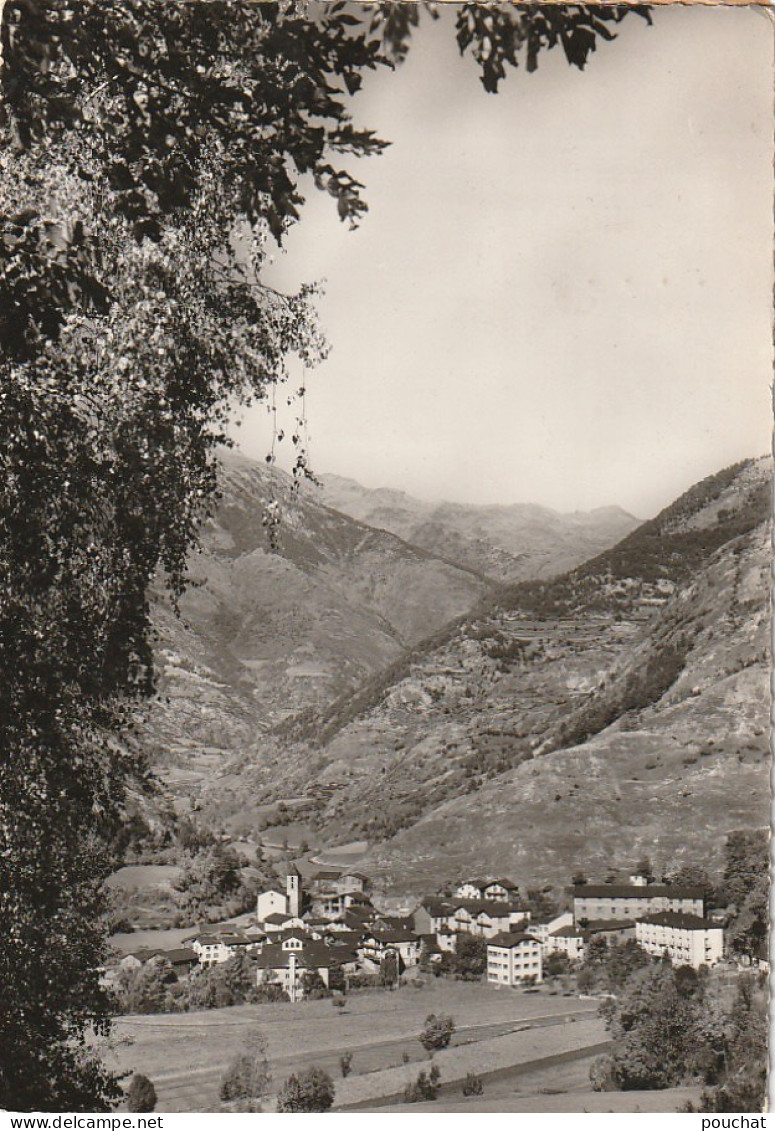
{"points": [[506, 543], [464, 725]]}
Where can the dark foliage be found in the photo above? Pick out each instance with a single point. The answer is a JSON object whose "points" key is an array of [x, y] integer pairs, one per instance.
{"points": [[141, 1095], [308, 1091]]}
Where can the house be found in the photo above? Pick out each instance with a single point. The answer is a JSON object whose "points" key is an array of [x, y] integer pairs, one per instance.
{"points": [[219, 945], [541, 931], [324, 879], [279, 922], [330, 904], [485, 917], [137, 958], [182, 959], [633, 901], [378, 944], [432, 916], [688, 940], [353, 881], [502, 890], [514, 958], [568, 940], [286, 963]]}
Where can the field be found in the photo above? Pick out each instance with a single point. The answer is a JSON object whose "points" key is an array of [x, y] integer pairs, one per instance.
{"points": [[186, 1054], [140, 876], [555, 1087]]}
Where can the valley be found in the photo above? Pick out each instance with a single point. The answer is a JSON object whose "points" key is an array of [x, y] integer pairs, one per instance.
{"points": [[559, 721]]}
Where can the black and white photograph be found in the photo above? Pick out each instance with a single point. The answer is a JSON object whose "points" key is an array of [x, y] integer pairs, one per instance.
{"points": [[385, 559]]}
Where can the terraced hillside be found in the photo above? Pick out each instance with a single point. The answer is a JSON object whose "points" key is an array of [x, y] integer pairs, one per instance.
{"points": [[622, 708]]}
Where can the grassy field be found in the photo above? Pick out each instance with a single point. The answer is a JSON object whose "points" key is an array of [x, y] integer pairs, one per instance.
{"points": [[186, 1054], [558, 1084], [141, 876]]}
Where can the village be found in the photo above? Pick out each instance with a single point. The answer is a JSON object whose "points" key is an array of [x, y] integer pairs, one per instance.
{"points": [[325, 933]]}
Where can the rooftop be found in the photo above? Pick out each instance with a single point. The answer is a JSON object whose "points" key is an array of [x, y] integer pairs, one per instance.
{"points": [[679, 920], [510, 939], [635, 891]]}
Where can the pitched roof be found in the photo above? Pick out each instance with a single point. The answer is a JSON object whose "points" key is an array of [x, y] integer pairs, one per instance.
{"points": [[278, 917], [389, 936], [635, 891], [570, 933], [397, 922], [680, 920], [494, 907], [509, 939], [179, 954], [326, 874], [484, 884], [313, 956], [436, 906]]}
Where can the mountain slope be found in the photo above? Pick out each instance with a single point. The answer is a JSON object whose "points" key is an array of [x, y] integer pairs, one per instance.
{"points": [[627, 695], [507, 543], [264, 634]]}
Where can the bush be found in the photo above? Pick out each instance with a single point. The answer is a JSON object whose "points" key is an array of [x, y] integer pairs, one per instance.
{"points": [[437, 1032], [312, 1090], [346, 1063], [601, 1074], [141, 1096], [473, 1085], [426, 1087]]}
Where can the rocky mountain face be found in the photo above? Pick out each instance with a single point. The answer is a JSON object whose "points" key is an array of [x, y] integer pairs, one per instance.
{"points": [[507, 543], [617, 710], [265, 633]]}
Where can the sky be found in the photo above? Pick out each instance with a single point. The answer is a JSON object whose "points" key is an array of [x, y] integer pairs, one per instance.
{"points": [[561, 294]]}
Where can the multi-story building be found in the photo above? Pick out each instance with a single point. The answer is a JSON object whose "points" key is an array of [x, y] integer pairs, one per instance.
{"points": [[633, 901], [285, 964], [513, 959], [688, 940], [376, 945]]}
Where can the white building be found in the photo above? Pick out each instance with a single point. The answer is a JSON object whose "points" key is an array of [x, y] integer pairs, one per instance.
{"points": [[541, 931], [688, 940], [570, 941], [502, 890], [220, 945], [275, 901], [271, 902], [514, 959]]}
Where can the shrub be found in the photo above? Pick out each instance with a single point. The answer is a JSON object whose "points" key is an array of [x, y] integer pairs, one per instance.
{"points": [[601, 1074], [141, 1096], [346, 1063], [247, 1077], [308, 1091], [425, 1087], [437, 1032], [473, 1085]]}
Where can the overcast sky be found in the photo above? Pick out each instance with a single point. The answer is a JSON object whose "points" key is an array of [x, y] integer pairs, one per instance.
{"points": [[561, 294]]}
